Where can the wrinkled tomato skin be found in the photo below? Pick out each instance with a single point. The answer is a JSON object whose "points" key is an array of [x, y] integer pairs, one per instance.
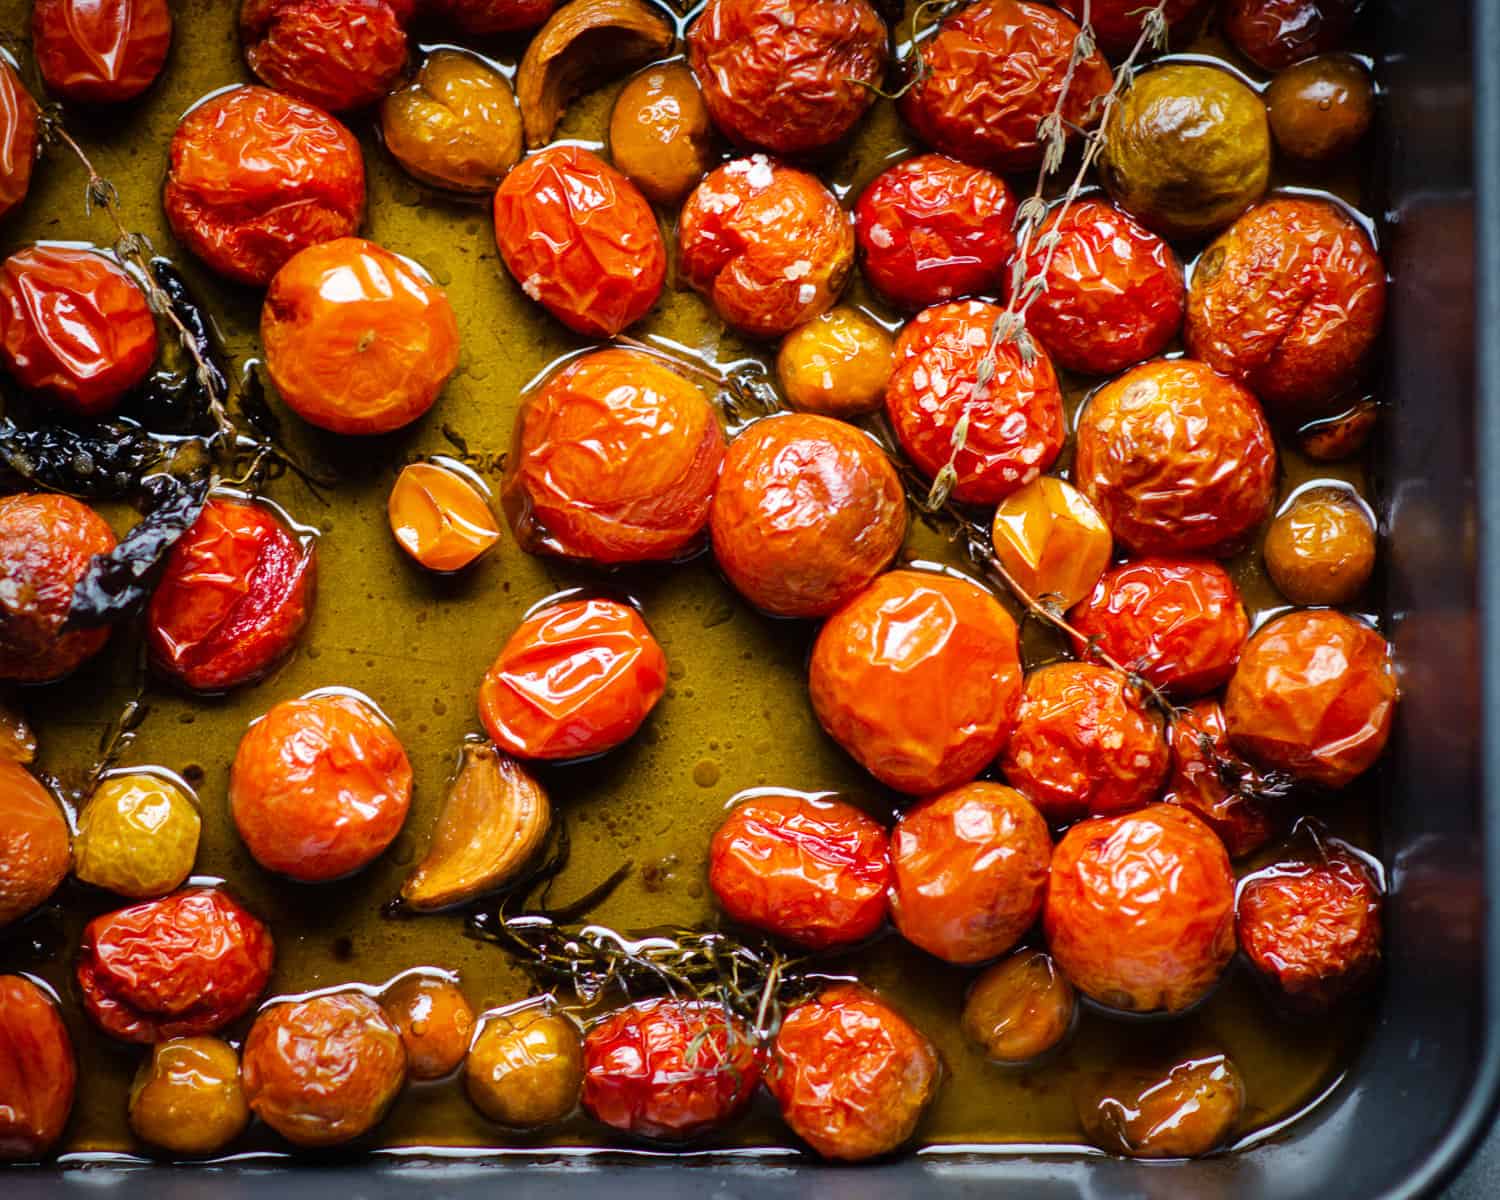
{"points": [[319, 788], [993, 71], [788, 76], [668, 1069], [38, 1071], [75, 327], [576, 679], [580, 240], [1179, 623], [18, 138], [256, 176], [812, 871], [1243, 821], [1178, 460], [1117, 23], [481, 17], [34, 842], [852, 1076], [1115, 291], [100, 51], [1140, 909], [932, 229], [1276, 33], [1289, 300], [337, 54], [1015, 432], [46, 543], [182, 966], [918, 678], [808, 511], [766, 244], [1084, 744], [1314, 694]]}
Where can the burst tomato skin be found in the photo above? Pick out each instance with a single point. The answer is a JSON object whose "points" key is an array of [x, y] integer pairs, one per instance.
{"points": [[1140, 909], [668, 1069], [256, 176], [18, 138], [38, 1071], [1243, 822], [580, 240], [1276, 33], [481, 17], [235, 596], [100, 53], [813, 871], [807, 512], [575, 679], [766, 244], [918, 678], [337, 54], [34, 841], [182, 966], [1117, 23], [932, 229]]}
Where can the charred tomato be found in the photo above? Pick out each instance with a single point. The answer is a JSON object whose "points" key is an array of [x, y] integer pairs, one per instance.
{"points": [[18, 138], [1276, 33], [337, 54], [33, 842], [38, 1071], [1216, 784], [100, 53]]}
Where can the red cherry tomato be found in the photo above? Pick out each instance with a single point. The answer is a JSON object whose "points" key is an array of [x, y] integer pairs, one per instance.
{"points": [[18, 138], [34, 843], [337, 54], [1276, 33], [481, 17], [1234, 810], [38, 1071], [100, 53], [1117, 23]]}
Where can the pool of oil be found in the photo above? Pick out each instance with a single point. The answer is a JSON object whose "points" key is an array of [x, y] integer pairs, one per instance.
{"points": [[735, 715]]}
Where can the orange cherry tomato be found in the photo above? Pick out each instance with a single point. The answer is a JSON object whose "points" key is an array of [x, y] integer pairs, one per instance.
{"points": [[837, 365], [616, 459], [1321, 548], [1051, 540], [1144, 1111], [256, 176], [18, 138], [34, 841], [1277, 33], [807, 512], [1140, 909], [75, 327], [236, 594], [337, 54], [435, 1022], [660, 134], [38, 1071], [580, 239], [483, 17], [918, 678], [440, 518], [1117, 23], [320, 787], [1232, 808], [100, 53]]}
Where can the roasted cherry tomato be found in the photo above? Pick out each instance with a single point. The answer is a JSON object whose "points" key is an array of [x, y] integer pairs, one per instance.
{"points": [[455, 125], [18, 138], [435, 1023], [660, 134], [1114, 292], [970, 870], [324, 1070], [187, 964], [1314, 694], [991, 73], [336, 54], [768, 245], [1117, 23], [74, 327], [580, 240], [46, 543], [186, 1097], [493, 16], [1084, 744], [615, 460], [38, 1072], [1179, 623], [100, 53], [1183, 1111], [357, 339], [931, 229], [1020, 1008], [1015, 429], [525, 1069], [256, 176], [811, 870], [137, 836], [1051, 540], [1322, 108], [440, 517], [837, 365], [851, 1074], [788, 76], [1238, 811], [668, 1069], [808, 511], [1140, 909], [33, 842], [236, 594], [1320, 549], [576, 679], [918, 678], [1276, 33], [1177, 458]]}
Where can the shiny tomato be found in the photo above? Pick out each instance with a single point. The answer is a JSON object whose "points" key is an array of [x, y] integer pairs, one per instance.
{"points": [[660, 134], [932, 229], [837, 365], [482, 17], [1314, 694], [38, 1071], [1177, 458], [100, 53], [1016, 428], [187, 964], [186, 1097], [668, 1069], [74, 327], [992, 72], [788, 76], [256, 176], [1276, 33], [851, 1074], [337, 54], [811, 870], [33, 842], [435, 1022], [807, 512], [18, 138], [918, 678], [1117, 23], [1140, 909], [1321, 548], [1233, 807], [581, 240], [616, 458], [1146, 1111]]}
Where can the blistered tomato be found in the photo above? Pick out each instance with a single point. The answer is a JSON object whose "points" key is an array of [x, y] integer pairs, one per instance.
{"points": [[137, 836], [18, 138], [336, 54], [525, 1069], [1015, 429], [837, 365], [1051, 541], [660, 135], [236, 594], [33, 842], [100, 53], [256, 176], [1117, 23], [435, 1023], [768, 245], [38, 1072], [1276, 33], [186, 1096], [1232, 806], [493, 16], [455, 125], [440, 518], [1020, 1008], [187, 964], [1185, 1110], [1320, 549], [918, 678]]}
